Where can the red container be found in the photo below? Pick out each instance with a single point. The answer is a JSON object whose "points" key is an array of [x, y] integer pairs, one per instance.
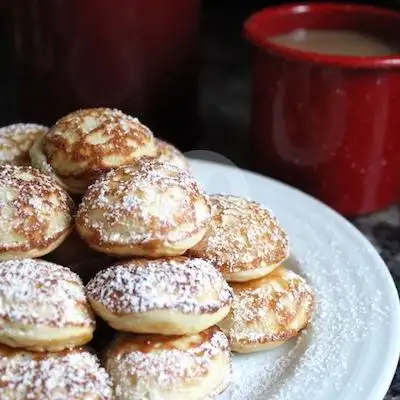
{"points": [[136, 55], [329, 125]]}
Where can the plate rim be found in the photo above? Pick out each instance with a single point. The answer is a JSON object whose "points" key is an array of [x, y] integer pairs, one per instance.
{"points": [[383, 381]]}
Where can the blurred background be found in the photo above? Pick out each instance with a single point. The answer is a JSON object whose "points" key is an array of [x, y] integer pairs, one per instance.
{"points": [[184, 68], [226, 77], [224, 88]]}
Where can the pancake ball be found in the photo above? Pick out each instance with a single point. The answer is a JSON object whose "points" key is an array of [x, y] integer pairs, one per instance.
{"points": [[85, 144], [166, 152], [269, 311], [173, 296], [244, 240], [69, 375], [36, 214], [43, 306], [151, 209], [16, 140], [195, 367]]}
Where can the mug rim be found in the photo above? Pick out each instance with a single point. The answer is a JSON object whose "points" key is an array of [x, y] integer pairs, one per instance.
{"points": [[254, 32]]}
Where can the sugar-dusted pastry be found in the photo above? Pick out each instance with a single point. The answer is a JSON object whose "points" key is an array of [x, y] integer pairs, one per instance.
{"points": [[75, 254], [35, 213], [69, 375], [86, 143], [196, 367], [43, 306], [244, 240], [151, 209], [169, 296], [16, 140], [269, 311], [166, 152]]}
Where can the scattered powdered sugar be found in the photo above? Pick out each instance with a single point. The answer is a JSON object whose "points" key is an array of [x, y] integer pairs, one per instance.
{"points": [[166, 366], [87, 143], [16, 140], [20, 130], [64, 376], [39, 159], [242, 234], [166, 152], [270, 309], [180, 284], [34, 209], [38, 292], [108, 121], [349, 309], [145, 202]]}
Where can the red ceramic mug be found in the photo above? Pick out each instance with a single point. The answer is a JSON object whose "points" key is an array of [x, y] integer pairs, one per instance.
{"points": [[327, 124]]}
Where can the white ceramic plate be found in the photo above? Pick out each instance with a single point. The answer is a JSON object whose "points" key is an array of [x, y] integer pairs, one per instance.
{"points": [[351, 350]]}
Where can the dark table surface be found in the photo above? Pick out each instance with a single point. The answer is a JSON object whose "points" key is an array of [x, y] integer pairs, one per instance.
{"points": [[225, 92]]}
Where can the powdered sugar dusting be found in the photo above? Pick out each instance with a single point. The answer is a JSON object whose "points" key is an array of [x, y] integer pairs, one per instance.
{"points": [[85, 121], [348, 311], [62, 376], [167, 364], [34, 209], [166, 152], [242, 235], [270, 309], [180, 284], [16, 140], [146, 202], [83, 145], [41, 293]]}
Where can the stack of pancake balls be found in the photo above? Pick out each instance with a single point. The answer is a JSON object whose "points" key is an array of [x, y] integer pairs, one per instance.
{"points": [[120, 278]]}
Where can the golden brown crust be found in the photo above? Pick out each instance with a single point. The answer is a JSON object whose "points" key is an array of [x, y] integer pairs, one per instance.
{"points": [[119, 131], [80, 338], [127, 343], [190, 286], [22, 252], [169, 296], [166, 152], [6, 351], [36, 212], [269, 310], [149, 209], [43, 306], [87, 143], [16, 140], [242, 236], [196, 366]]}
